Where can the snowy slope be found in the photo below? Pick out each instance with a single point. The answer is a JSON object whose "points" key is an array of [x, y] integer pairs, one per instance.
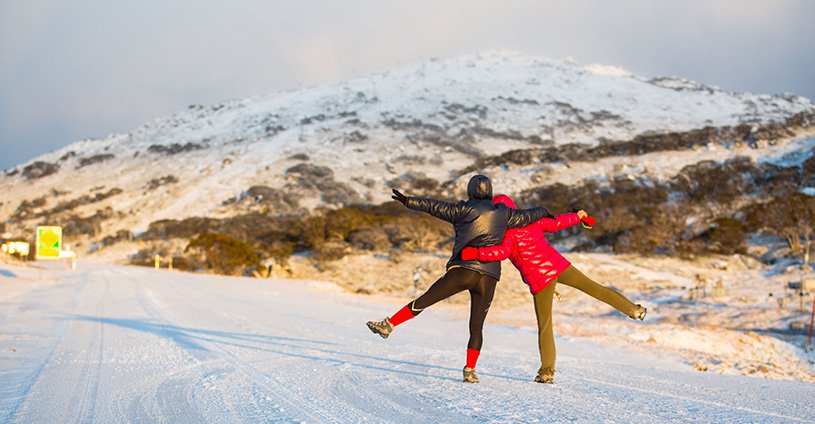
{"points": [[113, 344], [428, 119]]}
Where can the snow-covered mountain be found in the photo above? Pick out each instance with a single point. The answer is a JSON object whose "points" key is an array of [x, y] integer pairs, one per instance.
{"points": [[425, 126]]}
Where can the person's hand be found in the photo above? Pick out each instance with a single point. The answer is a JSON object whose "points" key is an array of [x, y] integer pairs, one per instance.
{"points": [[399, 196], [582, 214], [469, 253], [588, 222]]}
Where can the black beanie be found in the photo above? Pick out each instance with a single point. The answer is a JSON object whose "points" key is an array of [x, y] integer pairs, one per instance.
{"points": [[479, 188]]}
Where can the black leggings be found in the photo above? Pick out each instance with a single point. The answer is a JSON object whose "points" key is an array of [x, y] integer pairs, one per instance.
{"points": [[482, 290]]}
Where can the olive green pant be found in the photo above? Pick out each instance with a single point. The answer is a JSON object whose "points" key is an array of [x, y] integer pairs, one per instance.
{"points": [[571, 277]]}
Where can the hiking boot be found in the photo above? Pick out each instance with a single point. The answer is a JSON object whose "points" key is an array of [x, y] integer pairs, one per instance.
{"points": [[545, 378], [469, 375], [383, 328], [639, 313]]}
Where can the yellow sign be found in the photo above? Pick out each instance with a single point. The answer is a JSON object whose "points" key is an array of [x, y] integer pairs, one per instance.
{"points": [[49, 242]]}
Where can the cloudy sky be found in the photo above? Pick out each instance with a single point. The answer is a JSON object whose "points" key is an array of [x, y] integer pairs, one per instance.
{"points": [[79, 69]]}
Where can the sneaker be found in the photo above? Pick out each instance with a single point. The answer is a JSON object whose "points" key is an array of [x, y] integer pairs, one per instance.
{"points": [[469, 375], [383, 328], [545, 378], [639, 313]]}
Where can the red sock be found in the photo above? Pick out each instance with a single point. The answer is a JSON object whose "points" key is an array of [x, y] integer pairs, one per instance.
{"points": [[403, 315], [472, 357]]}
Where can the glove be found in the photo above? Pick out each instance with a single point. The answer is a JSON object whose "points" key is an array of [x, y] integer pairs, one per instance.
{"points": [[588, 222], [469, 254], [580, 212], [399, 196]]}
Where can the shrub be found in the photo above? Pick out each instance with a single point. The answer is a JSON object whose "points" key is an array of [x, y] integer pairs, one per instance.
{"points": [[280, 252], [708, 181], [299, 156], [67, 156], [171, 228], [809, 171], [307, 169], [340, 223], [90, 225], [83, 200], [39, 169], [94, 159], [777, 180], [26, 208], [223, 254], [144, 257], [727, 237], [119, 236], [174, 149], [162, 181], [416, 182], [374, 239]]}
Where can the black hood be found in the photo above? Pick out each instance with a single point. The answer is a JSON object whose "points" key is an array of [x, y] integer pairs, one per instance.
{"points": [[479, 188]]}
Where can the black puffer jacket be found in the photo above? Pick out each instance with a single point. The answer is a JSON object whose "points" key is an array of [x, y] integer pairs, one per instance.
{"points": [[477, 222]]}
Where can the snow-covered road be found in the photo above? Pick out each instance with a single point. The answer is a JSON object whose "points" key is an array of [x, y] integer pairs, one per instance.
{"points": [[124, 344]]}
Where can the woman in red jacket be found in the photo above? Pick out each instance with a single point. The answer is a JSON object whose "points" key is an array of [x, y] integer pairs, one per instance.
{"points": [[540, 266]]}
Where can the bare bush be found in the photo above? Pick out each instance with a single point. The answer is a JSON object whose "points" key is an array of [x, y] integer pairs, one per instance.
{"points": [[307, 169], [39, 169], [94, 159], [174, 149], [161, 181], [90, 225], [27, 208]]}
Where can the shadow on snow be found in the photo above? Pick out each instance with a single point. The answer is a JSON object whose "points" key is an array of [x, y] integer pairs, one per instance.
{"points": [[6, 273], [198, 339]]}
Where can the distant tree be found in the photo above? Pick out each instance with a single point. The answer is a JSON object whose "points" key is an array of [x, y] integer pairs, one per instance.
{"points": [[791, 217]]}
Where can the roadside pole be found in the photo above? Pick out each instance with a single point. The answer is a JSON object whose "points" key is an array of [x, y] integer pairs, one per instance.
{"points": [[811, 320]]}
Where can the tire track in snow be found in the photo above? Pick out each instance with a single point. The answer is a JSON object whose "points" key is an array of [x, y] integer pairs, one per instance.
{"points": [[353, 400], [249, 372], [363, 399], [174, 404], [88, 395], [139, 397], [340, 383], [294, 401], [35, 377], [665, 394]]}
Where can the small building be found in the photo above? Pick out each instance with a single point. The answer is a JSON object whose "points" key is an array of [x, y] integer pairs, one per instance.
{"points": [[17, 248]]}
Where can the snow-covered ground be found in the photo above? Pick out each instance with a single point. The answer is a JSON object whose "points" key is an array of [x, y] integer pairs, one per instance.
{"points": [[753, 325], [121, 344]]}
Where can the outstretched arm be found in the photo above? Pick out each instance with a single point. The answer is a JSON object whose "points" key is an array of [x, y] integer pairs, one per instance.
{"points": [[523, 217], [566, 220], [447, 211]]}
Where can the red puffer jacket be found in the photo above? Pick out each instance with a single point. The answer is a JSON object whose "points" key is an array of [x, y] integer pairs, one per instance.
{"points": [[538, 262]]}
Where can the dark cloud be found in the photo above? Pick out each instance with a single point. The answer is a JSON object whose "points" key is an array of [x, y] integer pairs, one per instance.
{"points": [[86, 68]]}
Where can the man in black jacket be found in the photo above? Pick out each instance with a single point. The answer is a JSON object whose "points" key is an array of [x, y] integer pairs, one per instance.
{"points": [[477, 223]]}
